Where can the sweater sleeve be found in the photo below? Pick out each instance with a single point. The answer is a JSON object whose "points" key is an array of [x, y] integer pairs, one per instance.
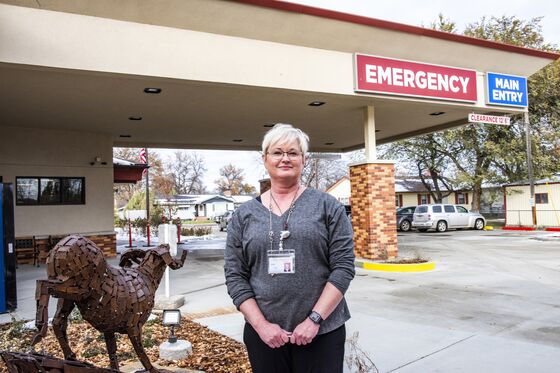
{"points": [[341, 247], [236, 268]]}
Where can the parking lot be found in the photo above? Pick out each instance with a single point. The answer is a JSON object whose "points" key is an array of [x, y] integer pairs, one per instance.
{"points": [[491, 305]]}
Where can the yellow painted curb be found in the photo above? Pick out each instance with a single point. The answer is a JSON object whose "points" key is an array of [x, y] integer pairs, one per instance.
{"points": [[488, 228], [393, 267]]}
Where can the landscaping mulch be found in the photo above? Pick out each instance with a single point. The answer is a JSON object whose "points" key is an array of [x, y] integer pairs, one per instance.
{"points": [[212, 351]]}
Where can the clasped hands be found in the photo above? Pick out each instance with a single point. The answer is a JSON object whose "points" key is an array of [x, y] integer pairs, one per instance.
{"points": [[274, 336]]}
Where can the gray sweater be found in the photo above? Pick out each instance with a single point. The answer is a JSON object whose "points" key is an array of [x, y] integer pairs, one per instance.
{"points": [[321, 235]]}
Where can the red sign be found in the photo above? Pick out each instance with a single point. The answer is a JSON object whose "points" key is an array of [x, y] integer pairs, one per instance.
{"points": [[405, 78]]}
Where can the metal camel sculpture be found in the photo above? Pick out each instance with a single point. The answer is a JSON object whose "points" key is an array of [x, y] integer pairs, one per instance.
{"points": [[112, 299]]}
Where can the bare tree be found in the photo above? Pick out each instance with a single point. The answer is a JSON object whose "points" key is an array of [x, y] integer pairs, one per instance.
{"points": [[321, 173], [424, 158], [186, 170], [232, 179]]}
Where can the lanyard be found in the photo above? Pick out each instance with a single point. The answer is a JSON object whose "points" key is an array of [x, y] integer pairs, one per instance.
{"points": [[285, 233]]}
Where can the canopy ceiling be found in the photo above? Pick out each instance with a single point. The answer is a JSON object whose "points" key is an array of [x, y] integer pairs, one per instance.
{"points": [[217, 115]]}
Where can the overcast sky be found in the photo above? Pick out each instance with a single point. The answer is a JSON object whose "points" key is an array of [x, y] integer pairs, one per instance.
{"points": [[403, 11]]}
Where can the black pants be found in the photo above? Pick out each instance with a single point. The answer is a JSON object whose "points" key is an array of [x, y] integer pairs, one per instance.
{"points": [[325, 354]]}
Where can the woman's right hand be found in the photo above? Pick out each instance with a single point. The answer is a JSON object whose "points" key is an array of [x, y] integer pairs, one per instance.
{"points": [[272, 334]]}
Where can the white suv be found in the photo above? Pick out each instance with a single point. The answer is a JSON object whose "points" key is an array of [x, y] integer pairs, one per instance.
{"points": [[441, 217]]}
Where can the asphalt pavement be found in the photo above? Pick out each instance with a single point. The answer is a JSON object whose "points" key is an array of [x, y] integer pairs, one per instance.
{"points": [[491, 305]]}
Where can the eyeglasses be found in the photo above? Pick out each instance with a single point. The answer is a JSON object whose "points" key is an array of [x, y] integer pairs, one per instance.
{"points": [[277, 154]]}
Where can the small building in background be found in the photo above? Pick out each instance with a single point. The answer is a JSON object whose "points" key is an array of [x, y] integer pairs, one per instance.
{"points": [[409, 191], [341, 190], [199, 206], [517, 197]]}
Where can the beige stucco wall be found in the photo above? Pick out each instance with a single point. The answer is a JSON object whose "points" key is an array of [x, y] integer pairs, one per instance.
{"points": [[518, 209], [91, 43], [39, 152]]}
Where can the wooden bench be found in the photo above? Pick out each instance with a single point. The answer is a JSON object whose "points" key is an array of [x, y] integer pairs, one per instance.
{"points": [[26, 251]]}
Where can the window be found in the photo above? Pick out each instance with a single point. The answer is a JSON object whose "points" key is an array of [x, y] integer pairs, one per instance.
{"points": [[449, 208], [436, 209], [27, 191], [50, 191], [399, 200], [423, 199], [541, 198], [461, 198], [72, 191], [462, 210], [421, 210]]}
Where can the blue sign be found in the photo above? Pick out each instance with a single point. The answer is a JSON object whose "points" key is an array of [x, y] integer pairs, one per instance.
{"points": [[507, 90]]}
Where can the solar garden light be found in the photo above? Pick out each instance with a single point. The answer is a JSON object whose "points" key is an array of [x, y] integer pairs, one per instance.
{"points": [[173, 348], [172, 318]]}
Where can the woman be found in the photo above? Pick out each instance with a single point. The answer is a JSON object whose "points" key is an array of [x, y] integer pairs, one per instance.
{"points": [[289, 260]]}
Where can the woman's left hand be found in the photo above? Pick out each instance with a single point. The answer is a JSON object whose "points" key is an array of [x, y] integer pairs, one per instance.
{"points": [[304, 332]]}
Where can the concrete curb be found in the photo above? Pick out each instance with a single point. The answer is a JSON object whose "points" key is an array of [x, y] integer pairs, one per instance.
{"points": [[395, 267]]}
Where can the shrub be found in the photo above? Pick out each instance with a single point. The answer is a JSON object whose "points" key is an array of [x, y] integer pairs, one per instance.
{"points": [[196, 231]]}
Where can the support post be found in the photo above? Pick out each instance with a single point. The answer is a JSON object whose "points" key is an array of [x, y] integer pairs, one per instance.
{"points": [[369, 133], [148, 197], [372, 186], [530, 166]]}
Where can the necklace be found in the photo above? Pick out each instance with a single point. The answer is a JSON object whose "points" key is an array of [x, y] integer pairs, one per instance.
{"points": [[285, 233], [276, 203]]}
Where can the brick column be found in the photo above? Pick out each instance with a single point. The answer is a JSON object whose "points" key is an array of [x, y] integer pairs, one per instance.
{"points": [[264, 185], [373, 209]]}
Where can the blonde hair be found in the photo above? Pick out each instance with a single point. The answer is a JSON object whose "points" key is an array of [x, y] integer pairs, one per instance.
{"points": [[283, 133]]}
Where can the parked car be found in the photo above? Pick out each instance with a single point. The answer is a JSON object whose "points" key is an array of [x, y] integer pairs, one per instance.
{"points": [[224, 220], [442, 217], [404, 218]]}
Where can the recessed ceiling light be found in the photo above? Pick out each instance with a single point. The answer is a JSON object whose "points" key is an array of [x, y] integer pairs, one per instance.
{"points": [[329, 143], [152, 90], [316, 103], [237, 140], [134, 118], [125, 136], [436, 113], [269, 125]]}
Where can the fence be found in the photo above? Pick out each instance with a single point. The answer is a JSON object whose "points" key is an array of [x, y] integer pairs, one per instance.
{"points": [[545, 218]]}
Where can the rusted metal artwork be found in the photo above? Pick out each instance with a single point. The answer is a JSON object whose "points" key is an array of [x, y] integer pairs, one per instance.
{"points": [[112, 299]]}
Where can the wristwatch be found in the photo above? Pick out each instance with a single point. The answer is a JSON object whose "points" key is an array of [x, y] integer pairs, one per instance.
{"points": [[315, 317]]}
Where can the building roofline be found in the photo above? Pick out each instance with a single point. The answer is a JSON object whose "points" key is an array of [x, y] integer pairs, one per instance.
{"points": [[336, 183], [389, 25]]}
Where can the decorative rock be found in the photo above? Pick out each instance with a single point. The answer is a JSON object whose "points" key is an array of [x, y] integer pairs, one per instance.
{"points": [[173, 302], [175, 351], [152, 317]]}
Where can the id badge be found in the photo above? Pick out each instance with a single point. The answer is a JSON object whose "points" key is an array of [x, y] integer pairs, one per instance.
{"points": [[281, 261]]}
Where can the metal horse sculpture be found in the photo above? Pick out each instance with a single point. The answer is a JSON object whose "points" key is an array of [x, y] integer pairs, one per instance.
{"points": [[111, 299]]}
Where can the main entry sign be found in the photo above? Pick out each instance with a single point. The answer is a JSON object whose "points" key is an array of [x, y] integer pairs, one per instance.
{"points": [[509, 90], [405, 78]]}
